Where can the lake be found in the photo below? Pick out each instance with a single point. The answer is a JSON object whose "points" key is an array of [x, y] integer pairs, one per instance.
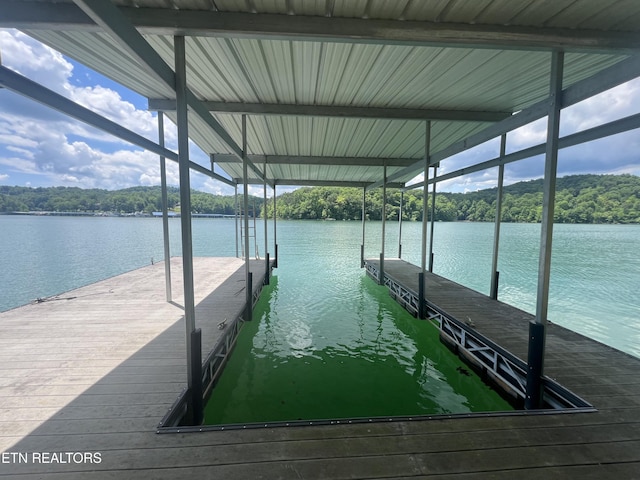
{"points": [[595, 277]]}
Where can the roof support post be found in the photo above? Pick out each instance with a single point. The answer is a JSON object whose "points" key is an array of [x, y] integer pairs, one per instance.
{"points": [[266, 237], [433, 218], [423, 263], [194, 381], [236, 207], [275, 238], [364, 200], [496, 236], [534, 391], [248, 286], [165, 206], [427, 142], [400, 225], [384, 223]]}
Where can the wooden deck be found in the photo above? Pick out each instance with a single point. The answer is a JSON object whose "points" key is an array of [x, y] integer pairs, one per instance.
{"points": [[97, 372]]}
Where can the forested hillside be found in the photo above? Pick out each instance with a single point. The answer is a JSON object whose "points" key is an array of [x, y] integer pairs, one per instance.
{"points": [[579, 199], [130, 200]]}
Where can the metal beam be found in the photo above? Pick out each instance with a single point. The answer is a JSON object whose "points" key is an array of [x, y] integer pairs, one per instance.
{"points": [[601, 131], [384, 224], [425, 162], [536, 350], [30, 89], [322, 183], [496, 234], [165, 214], [613, 76], [433, 217], [194, 379], [165, 21], [319, 160], [245, 219], [110, 18], [339, 111]]}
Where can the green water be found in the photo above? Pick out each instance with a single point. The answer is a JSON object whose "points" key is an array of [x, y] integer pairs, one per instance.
{"points": [[329, 343], [325, 310]]}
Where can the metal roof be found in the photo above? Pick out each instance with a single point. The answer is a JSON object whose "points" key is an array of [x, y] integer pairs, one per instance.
{"points": [[328, 84]]}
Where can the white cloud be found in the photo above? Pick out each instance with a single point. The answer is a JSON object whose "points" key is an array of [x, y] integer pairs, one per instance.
{"points": [[109, 104], [35, 140], [34, 60]]}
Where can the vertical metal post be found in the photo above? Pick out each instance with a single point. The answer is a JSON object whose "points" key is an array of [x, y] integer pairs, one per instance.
{"points": [[197, 401], [236, 218], [421, 305], [423, 250], [266, 219], [400, 225], [433, 218], [275, 231], [535, 360], [384, 223], [364, 199], [496, 236], [245, 174], [165, 206], [427, 142], [193, 380]]}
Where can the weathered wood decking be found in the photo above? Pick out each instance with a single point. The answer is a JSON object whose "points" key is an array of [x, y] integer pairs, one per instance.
{"points": [[96, 373]]}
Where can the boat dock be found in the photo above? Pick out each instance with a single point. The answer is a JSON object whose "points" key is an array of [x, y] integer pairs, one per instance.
{"points": [[371, 95], [94, 371]]}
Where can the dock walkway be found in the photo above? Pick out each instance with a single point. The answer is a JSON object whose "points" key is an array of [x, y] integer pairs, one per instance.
{"points": [[96, 374]]}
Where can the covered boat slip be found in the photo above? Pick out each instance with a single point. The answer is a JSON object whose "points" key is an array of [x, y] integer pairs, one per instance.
{"points": [[95, 369], [370, 94]]}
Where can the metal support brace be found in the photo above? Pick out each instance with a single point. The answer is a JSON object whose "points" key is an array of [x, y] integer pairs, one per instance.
{"points": [[248, 285], [248, 312], [165, 206], [427, 142], [496, 237], [384, 223], [264, 214], [535, 365], [275, 231], [400, 225], [364, 199], [266, 269], [421, 305], [236, 219], [433, 218], [495, 282], [185, 203], [537, 343], [196, 406]]}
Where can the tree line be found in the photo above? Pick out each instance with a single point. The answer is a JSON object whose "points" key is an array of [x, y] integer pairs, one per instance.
{"points": [[579, 199], [125, 201]]}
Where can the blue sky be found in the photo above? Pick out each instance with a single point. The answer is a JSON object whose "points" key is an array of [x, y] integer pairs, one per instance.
{"points": [[40, 147]]}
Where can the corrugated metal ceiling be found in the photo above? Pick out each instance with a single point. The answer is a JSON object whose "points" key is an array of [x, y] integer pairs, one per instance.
{"points": [[294, 72]]}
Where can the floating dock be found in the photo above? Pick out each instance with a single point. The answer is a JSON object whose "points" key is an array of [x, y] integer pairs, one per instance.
{"points": [[94, 370]]}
